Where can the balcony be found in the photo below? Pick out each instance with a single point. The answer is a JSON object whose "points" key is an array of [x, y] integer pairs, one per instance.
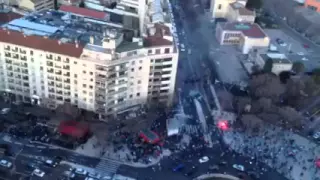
{"points": [[18, 76], [51, 78], [23, 51], [59, 85], [9, 68], [58, 72], [7, 55], [51, 70], [49, 56], [67, 74], [59, 79], [66, 60], [8, 61], [51, 90], [25, 65], [17, 70], [59, 92], [26, 78], [57, 66], [101, 77], [66, 67], [15, 49], [23, 58], [67, 87], [67, 80], [24, 71], [26, 84], [50, 64], [7, 48], [15, 56]]}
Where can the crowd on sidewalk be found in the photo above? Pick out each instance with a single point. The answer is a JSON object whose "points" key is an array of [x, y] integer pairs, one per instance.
{"points": [[292, 155]]}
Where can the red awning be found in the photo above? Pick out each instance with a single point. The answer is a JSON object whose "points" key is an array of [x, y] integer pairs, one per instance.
{"points": [[73, 129], [318, 163]]}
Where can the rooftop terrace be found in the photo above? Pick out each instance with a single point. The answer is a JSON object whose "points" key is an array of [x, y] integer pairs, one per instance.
{"points": [[63, 26]]}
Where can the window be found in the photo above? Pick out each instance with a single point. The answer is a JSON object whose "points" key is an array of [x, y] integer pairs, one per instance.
{"points": [[91, 87], [74, 62], [91, 80], [84, 71], [158, 51], [75, 76], [167, 50], [167, 59], [84, 92], [138, 94], [91, 73], [150, 51], [31, 52], [219, 6], [139, 81], [132, 62], [84, 85], [130, 96], [140, 68], [132, 69]]}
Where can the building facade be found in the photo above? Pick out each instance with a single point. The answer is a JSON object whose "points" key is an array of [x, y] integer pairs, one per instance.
{"points": [[95, 69], [36, 5], [246, 35], [280, 62], [221, 8], [238, 13]]}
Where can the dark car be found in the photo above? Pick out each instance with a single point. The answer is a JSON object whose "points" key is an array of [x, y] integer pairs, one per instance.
{"points": [[222, 163], [179, 167]]}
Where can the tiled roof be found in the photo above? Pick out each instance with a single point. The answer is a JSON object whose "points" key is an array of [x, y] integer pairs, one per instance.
{"points": [[41, 43], [242, 9], [7, 17], [84, 12], [156, 41], [248, 29]]}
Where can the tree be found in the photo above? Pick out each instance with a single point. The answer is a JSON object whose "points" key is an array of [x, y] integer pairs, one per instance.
{"points": [[266, 85], [284, 76], [268, 66], [254, 4], [291, 118], [298, 67], [251, 122], [316, 75]]}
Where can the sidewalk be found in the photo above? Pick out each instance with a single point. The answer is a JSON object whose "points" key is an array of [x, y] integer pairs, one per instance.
{"points": [[289, 153]]}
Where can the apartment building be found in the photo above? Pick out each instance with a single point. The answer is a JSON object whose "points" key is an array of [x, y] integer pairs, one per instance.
{"points": [[36, 5], [280, 62], [313, 5], [69, 2], [85, 63], [229, 8], [247, 36], [239, 13]]}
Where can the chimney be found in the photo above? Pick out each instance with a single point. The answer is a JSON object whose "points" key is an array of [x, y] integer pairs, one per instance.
{"points": [[152, 31], [91, 40], [77, 43]]}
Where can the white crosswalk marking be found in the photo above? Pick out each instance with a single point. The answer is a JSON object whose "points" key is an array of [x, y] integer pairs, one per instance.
{"points": [[192, 129], [107, 167]]}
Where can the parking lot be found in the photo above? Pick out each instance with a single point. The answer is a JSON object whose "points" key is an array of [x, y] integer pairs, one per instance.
{"points": [[294, 50]]}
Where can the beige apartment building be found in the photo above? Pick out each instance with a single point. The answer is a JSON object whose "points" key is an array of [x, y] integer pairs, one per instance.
{"points": [[246, 36], [36, 5], [97, 69], [232, 10]]}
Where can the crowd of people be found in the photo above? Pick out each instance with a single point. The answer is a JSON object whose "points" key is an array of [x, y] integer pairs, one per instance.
{"points": [[289, 153]]}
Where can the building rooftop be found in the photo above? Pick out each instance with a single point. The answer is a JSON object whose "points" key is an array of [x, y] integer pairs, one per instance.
{"points": [[7, 16], [38, 42], [276, 58], [85, 12], [248, 29], [242, 9]]}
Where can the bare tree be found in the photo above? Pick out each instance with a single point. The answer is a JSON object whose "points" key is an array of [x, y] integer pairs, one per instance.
{"points": [[266, 85], [242, 104], [251, 122], [291, 118]]}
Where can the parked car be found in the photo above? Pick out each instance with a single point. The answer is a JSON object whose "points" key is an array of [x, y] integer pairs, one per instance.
{"points": [[204, 159], [5, 111], [178, 167], [81, 171], [316, 135], [5, 163], [38, 172], [239, 167], [51, 163]]}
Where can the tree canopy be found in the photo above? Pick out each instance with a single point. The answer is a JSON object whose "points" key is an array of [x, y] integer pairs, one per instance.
{"points": [[298, 67], [254, 4]]}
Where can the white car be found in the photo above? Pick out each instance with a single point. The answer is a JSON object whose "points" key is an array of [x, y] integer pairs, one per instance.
{"points": [[204, 159], [5, 110], [305, 59], [51, 163], [38, 172], [81, 171], [316, 135], [106, 178], [238, 167], [5, 163], [300, 53], [95, 175]]}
